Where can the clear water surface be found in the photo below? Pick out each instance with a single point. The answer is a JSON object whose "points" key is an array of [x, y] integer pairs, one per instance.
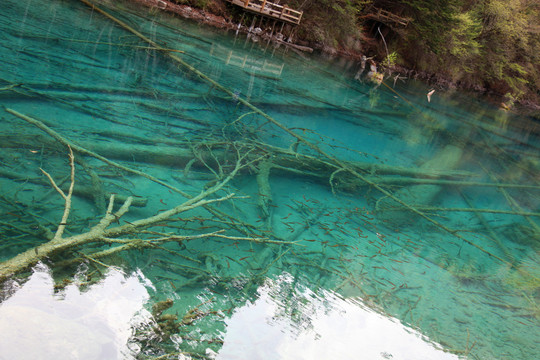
{"points": [[317, 255]]}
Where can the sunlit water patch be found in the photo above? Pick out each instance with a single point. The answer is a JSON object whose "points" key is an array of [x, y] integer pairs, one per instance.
{"points": [[253, 187]]}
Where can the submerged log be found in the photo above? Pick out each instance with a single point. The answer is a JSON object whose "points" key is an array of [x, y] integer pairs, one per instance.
{"points": [[86, 192], [332, 160], [285, 160], [389, 209]]}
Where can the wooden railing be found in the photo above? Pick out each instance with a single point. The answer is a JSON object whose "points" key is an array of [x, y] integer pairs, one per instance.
{"points": [[385, 16], [272, 10], [246, 62]]}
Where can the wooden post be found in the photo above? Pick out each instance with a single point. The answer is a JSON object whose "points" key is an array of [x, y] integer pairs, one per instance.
{"points": [[273, 26], [246, 3], [242, 19], [253, 23], [291, 34], [263, 5], [282, 10]]}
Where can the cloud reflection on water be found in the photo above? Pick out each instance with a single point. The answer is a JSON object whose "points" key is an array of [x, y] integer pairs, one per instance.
{"points": [[96, 323], [331, 327]]}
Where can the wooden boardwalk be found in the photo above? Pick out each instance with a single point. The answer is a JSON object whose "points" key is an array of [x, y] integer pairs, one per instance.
{"points": [[271, 10], [387, 17]]}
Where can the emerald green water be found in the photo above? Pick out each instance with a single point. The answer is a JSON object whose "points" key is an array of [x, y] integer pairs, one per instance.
{"points": [[311, 262]]}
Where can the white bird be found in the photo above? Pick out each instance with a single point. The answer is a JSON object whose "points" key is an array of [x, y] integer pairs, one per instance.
{"points": [[429, 94]]}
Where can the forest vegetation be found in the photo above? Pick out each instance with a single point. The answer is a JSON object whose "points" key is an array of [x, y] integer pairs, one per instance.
{"points": [[486, 45]]}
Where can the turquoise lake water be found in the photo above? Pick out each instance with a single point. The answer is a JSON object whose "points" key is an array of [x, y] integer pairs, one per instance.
{"points": [[366, 222]]}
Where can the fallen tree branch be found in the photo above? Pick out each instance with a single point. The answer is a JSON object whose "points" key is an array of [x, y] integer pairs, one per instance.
{"points": [[84, 151], [101, 233], [283, 162], [31, 256], [283, 159], [80, 190], [265, 193], [67, 197], [337, 162], [478, 210]]}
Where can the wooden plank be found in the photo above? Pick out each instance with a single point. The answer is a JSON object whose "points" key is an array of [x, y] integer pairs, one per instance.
{"points": [[270, 9]]}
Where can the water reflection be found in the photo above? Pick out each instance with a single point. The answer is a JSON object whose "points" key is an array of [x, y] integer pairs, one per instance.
{"points": [[319, 326], [250, 63], [91, 323]]}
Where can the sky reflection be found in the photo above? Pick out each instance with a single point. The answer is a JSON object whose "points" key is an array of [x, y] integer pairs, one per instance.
{"points": [[95, 323], [323, 326]]}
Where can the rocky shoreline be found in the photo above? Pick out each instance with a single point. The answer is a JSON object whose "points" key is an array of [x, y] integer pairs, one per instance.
{"points": [[189, 12], [206, 17], [222, 22]]}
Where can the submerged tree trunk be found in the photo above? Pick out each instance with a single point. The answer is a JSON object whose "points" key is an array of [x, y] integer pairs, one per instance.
{"points": [[419, 195]]}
